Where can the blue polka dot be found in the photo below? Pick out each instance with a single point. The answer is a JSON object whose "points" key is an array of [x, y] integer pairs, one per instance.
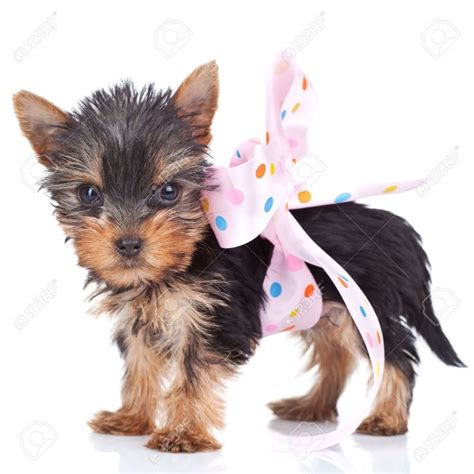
{"points": [[268, 204], [275, 289], [342, 198], [362, 310], [221, 223], [283, 114], [238, 154]]}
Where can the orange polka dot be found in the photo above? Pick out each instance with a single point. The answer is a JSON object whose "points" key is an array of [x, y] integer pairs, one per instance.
{"points": [[309, 291], [390, 189], [343, 282], [305, 83], [272, 168], [296, 107], [304, 196], [379, 337], [267, 137], [205, 205], [289, 328], [260, 171]]}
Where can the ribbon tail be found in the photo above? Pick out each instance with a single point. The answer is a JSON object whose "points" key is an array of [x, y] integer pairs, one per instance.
{"points": [[295, 238], [315, 194], [294, 300]]}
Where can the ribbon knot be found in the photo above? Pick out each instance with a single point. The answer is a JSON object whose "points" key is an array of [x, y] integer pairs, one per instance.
{"points": [[254, 196]]}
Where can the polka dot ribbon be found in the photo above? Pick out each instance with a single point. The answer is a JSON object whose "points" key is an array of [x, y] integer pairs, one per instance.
{"points": [[253, 197]]}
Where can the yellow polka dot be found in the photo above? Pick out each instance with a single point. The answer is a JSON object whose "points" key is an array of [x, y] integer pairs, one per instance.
{"points": [[205, 205], [390, 189], [377, 369], [272, 168], [294, 313], [304, 196], [296, 107]]}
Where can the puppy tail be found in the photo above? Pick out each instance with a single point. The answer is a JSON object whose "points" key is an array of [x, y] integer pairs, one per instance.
{"points": [[418, 308], [429, 327]]}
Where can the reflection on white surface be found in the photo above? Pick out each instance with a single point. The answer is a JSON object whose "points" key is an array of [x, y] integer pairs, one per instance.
{"points": [[135, 457], [360, 454]]}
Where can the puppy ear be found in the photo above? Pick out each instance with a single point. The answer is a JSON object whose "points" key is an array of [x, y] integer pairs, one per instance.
{"points": [[196, 100], [41, 122]]}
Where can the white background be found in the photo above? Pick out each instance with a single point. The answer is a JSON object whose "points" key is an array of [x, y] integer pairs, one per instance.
{"points": [[393, 102]]}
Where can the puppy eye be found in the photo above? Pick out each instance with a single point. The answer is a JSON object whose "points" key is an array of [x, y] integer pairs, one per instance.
{"points": [[89, 194], [166, 194], [169, 192]]}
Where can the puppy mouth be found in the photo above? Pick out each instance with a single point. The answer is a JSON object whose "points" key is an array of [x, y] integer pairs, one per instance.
{"points": [[133, 269], [127, 274], [130, 263]]}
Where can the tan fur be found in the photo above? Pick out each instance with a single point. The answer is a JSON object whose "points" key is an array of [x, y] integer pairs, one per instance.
{"points": [[141, 391], [335, 345], [39, 121], [162, 329], [196, 100], [167, 167], [167, 244], [158, 373], [389, 416], [194, 409]]}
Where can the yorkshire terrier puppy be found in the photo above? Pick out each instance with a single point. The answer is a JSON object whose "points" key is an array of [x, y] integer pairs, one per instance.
{"points": [[125, 172]]}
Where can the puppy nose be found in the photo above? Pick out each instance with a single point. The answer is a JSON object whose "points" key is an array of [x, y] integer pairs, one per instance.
{"points": [[129, 246]]}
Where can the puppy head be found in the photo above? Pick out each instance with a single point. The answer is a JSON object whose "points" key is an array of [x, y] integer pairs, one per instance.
{"points": [[125, 172]]}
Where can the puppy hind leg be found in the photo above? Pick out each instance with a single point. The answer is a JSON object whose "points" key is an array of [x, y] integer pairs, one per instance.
{"points": [[335, 345], [389, 416]]}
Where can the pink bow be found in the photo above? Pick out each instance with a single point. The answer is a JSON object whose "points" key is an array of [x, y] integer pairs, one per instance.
{"points": [[253, 198]]}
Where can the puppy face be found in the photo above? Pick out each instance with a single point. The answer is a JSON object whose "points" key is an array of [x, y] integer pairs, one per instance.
{"points": [[125, 173]]}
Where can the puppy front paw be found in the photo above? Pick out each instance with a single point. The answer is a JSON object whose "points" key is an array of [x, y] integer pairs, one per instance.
{"points": [[121, 423], [175, 441]]}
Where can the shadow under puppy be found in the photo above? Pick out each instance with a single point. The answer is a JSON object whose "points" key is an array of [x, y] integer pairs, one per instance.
{"points": [[125, 173]]}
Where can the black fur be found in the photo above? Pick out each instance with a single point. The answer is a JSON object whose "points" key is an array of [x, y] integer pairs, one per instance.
{"points": [[380, 250], [129, 134], [134, 130]]}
